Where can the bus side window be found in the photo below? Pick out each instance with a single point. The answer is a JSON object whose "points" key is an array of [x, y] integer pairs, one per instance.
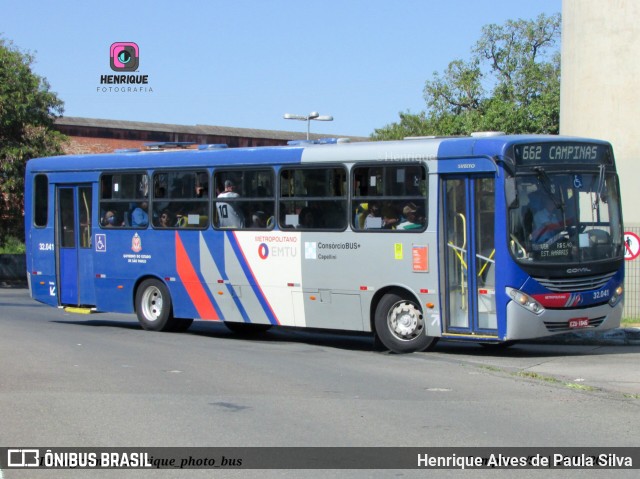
{"points": [[41, 200], [180, 199], [245, 198], [313, 198], [389, 198], [122, 194]]}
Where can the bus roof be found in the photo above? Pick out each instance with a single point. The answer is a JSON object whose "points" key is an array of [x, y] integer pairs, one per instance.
{"points": [[418, 149]]}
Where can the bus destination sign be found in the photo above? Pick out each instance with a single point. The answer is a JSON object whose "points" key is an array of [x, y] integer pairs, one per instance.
{"points": [[563, 152]]}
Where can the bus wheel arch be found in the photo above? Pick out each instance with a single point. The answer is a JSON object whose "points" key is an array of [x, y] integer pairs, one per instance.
{"points": [[154, 307], [398, 321]]}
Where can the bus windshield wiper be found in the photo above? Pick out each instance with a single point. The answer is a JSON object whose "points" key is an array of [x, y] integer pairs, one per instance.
{"points": [[545, 181], [600, 195]]}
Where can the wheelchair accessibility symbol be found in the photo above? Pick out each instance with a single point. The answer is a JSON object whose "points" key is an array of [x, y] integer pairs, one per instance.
{"points": [[101, 243]]}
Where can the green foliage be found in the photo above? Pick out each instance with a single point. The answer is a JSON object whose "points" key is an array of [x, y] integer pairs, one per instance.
{"points": [[511, 84], [27, 112], [12, 245]]}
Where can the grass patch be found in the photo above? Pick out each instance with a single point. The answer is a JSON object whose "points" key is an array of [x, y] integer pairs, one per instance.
{"points": [[539, 377], [632, 396], [490, 368], [12, 245], [550, 380], [580, 387], [628, 322]]}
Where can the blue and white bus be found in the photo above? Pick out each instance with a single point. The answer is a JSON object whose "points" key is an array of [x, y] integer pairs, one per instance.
{"points": [[488, 238]]}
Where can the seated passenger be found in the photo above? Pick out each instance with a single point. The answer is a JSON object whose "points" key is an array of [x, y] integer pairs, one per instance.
{"points": [[139, 216], [165, 220], [412, 221], [374, 219], [306, 218], [389, 216], [259, 220], [361, 213], [109, 220], [228, 217]]}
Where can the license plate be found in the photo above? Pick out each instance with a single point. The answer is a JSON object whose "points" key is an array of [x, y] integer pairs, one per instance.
{"points": [[579, 323]]}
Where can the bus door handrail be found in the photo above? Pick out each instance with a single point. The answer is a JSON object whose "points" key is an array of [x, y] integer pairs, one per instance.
{"points": [[460, 251], [487, 261]]}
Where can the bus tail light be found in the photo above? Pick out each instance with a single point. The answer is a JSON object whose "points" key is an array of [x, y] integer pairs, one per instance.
{"points": [[617, 295], [526, 301]]}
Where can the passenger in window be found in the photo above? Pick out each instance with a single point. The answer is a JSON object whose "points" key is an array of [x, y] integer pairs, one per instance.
{"points": [[202, 185], [109, 220], [139, 216], [228, 217], [360, 215], [389, 216], [374, 219], [201, 192], [285, 221], [306, 219], [412, 183], [410, 212], [259, 220], [165, 220]]}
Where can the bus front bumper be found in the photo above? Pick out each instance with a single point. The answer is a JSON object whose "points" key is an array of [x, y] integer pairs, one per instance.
{"points": [[523, 324]]}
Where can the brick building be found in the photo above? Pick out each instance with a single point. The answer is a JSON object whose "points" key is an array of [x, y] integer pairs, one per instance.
{"points": [[90, 135]]}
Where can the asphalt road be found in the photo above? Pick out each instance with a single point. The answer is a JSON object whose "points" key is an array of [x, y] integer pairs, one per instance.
{"points": [[101, 381]]}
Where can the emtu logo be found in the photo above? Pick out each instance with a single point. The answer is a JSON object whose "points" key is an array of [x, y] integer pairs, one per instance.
{"points": [[125, 56]]}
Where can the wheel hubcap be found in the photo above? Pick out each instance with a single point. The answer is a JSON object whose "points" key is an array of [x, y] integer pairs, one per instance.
{"points": [[405, 321], [152, 303]]}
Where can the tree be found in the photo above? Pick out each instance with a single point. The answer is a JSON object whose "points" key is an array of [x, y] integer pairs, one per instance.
{"points": [[511, 84], [27, 112]]}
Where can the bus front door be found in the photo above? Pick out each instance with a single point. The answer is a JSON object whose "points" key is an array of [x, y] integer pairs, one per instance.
{"points": [[468, 226], [73, 245]]}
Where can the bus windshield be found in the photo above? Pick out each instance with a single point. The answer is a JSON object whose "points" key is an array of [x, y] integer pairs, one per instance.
{"points": [[560, 217]]}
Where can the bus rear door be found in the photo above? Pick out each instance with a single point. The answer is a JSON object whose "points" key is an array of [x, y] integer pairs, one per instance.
{"points": [[74, 245], [468, 230]]}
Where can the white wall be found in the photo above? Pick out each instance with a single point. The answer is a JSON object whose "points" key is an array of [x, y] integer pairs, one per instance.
{"points": [[600, 87]]}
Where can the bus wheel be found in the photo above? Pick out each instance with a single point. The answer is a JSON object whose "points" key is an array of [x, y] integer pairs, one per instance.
{"points": [[400, 325], [153, 306]]}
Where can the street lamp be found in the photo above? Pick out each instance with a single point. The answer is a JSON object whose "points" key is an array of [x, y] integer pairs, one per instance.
{"points": [[314, 115]]}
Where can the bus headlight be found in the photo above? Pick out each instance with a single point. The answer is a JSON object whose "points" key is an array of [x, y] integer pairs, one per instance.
{"points": [[526, 301], [617, 296]]}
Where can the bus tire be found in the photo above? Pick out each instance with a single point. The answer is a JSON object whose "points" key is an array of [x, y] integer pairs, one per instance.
{"points": [[400, 325], [153, 306]]}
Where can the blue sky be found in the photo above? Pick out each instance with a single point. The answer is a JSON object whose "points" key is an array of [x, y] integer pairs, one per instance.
{"points": [[244, 63]]}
